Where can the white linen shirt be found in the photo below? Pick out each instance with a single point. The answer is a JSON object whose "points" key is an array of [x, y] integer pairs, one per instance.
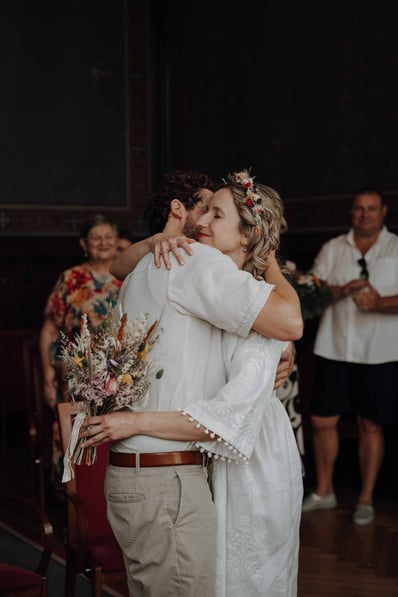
{"points": [[193, 304], [346, 333]]}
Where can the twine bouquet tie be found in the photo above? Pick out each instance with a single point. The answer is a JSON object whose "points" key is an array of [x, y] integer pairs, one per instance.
{"points": [[105, 373]]}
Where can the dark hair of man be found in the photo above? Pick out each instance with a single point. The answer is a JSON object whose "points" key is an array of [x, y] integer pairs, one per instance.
{"points": [[370, 191], [183, 185], [96, 220]]}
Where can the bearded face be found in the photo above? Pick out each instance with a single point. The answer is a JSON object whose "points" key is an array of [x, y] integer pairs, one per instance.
{"points": [[191, 229]]}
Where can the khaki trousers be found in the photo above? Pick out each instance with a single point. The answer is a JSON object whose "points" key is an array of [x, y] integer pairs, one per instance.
{"points": [[164, 520]]}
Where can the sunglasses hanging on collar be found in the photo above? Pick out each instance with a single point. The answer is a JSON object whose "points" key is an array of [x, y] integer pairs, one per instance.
{"points": [[364, 274]]}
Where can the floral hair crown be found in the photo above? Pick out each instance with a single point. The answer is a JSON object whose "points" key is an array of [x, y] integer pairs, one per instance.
{"points": [[253, 200]]}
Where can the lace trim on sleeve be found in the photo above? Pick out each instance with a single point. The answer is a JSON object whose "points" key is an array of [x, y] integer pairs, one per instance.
{"points": [[216, 447]]}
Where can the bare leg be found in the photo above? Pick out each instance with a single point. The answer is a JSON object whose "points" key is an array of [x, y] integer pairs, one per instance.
{"points": [[326, 447], [371, 452]]}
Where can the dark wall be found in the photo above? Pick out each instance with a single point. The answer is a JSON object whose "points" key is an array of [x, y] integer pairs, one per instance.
{"points": [[62, 110], [28, 270], [305, 93], [71, 98]]}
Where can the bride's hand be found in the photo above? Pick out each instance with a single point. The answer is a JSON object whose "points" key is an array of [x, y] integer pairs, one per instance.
{"points": [[162, 244]]}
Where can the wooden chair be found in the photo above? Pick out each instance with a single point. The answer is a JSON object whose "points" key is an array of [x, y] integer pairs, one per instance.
{"points": [[16, 580], [91, 545], [40, 418]]}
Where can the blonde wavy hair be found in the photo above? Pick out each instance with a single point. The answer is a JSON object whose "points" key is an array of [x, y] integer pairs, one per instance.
{"points": [[263, 229]]}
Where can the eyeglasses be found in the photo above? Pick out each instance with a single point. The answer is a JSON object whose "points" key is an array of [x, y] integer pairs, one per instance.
{"points": [[364, 274]]}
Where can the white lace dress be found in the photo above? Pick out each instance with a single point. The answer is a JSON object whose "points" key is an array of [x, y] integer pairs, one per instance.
{"points": [[256, 474]]}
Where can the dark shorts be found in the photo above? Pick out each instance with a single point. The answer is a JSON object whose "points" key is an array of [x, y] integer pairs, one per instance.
{"points": [[370, 391]]}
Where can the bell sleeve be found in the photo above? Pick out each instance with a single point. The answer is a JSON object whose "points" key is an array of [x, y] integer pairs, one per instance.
{"points": [[233, 418]]}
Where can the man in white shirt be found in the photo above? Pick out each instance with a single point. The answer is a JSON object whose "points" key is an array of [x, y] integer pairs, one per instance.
{"points": [[356, 350]]}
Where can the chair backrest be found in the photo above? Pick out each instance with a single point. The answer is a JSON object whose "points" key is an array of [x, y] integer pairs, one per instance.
{"points": [[32, 374], [88, 481], [40, 416], [91, 547]]}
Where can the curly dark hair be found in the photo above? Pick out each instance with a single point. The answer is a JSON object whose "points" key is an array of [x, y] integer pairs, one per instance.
{"points": [[183, 185]]}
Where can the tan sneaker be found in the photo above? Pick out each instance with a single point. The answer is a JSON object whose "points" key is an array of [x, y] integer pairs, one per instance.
{"points": [[317, 502], [363, 514]]}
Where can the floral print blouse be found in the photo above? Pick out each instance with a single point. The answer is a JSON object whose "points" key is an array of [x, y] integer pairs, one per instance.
{"points": [[79, 291]]}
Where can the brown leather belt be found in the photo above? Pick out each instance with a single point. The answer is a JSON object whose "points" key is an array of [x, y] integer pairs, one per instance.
{"points": [[155, 458]]}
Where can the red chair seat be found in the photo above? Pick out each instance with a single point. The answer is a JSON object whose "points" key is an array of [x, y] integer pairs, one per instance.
{"points": [[13, 578]]}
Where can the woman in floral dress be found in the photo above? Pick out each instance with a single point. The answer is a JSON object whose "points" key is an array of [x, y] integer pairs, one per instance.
{"points": [[85, 288]]}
